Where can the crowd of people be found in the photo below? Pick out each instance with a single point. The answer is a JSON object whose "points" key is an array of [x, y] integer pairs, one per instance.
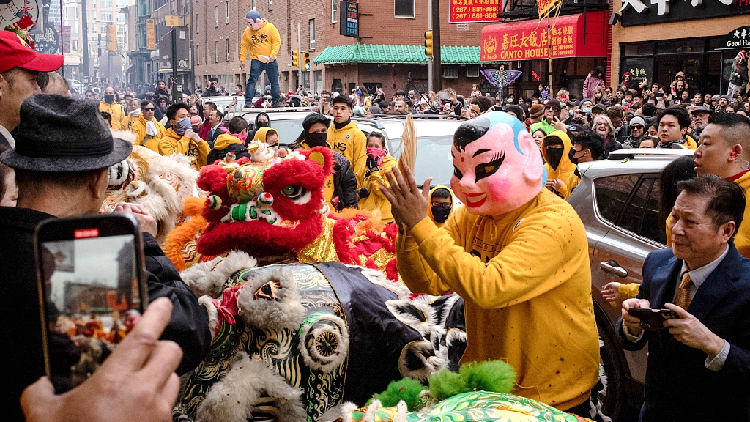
{"points": [[516, 251]]}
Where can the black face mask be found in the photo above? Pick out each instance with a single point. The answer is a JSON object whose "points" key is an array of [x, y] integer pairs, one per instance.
{"points": [[262, 124], [316, 139], [554, 156], [109, 99], [440, 214], [571, 154]]}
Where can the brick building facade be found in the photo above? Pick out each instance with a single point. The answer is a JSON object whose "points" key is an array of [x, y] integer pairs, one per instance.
{"points": [[218, 30]]}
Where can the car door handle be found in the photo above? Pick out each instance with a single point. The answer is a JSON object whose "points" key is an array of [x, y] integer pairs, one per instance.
{"points": [[613, 268]]}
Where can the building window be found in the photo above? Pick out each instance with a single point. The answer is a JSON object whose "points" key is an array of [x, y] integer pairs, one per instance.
{"points": [[121, 17], [472, 71], [227, 4], [197, 54], [106, 16], [103, 28], [227, 49], [312, 34], [216, 15], [450, 71], [196, 23], [106, 3], [334, 11], [122, 3], [121, 29], [216, 51], [403, 8], [270, 5]]}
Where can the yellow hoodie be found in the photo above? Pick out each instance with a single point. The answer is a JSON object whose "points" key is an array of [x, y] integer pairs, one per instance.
{"points": [[565, 169], [526, 282], [429, 203], [172, 143], [265, 41], [350, 142], [139, 128], [262, 133], [376, 200], [119, 118]]}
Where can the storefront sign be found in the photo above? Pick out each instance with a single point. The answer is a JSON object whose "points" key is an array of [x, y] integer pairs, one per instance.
{"points": [[646, 12], [474, 10], [640, 68], [546, 6], [349, 26], [739, 38], [529, 40], [150, 34]]}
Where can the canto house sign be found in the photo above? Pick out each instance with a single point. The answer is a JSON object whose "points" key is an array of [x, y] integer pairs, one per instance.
{"points": [[646, 12]]}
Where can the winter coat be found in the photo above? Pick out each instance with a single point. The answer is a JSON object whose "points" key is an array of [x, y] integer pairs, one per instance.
{"points": [[565, 168], [590, 84], [342, 183], [150, 142], [172, 143], [371, 180], [350, 142], [119, 118], [526, 284], [225, 144]]}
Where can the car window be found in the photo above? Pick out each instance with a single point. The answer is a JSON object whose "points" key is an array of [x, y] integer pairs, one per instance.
{"points": [[288, 130], [631, 201], [434, 159]]}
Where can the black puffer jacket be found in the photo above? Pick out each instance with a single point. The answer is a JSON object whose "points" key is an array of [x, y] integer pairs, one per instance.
{"points": [[344, 182]]}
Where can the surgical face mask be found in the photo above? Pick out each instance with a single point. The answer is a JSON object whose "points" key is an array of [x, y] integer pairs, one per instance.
{"points": [[554, 156], [109, 98], [182, 125], [317, 139], [586, 110], [261, 123], [440, 214], [571, 156]]}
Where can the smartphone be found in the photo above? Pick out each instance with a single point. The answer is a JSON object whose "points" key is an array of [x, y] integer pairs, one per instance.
{"points": [[653, 319], [91, 282]]}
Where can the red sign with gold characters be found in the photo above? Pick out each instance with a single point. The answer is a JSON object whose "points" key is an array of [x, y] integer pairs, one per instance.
{"points": [[529, 40], [474, 10]]}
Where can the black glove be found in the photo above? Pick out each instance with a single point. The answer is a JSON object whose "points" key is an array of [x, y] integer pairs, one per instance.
{"points": [[372, 163], [363, 193]]}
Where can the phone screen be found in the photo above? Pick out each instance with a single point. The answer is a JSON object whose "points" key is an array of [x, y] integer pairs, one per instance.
{"points": [[92, 293]]}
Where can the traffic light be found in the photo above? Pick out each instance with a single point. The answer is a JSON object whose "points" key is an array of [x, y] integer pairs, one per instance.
{"points": [[111, 37], [428, 43], [306, 60], [295, 58]]}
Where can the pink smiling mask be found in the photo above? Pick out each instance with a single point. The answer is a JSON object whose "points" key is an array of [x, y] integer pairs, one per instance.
{"points": [[497, 165]]}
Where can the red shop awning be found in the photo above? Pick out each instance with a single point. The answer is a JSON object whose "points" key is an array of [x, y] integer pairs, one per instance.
{"points": [[528, 40]]}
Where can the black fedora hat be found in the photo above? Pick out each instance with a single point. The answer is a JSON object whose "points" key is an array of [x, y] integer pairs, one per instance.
{"points": [[60, 133]]}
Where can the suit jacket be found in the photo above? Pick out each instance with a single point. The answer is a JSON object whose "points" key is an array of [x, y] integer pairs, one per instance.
{"points": [[211, 138], [679, 387]]}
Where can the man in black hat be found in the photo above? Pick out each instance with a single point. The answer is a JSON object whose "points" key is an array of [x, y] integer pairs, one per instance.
{"points": [[63, 152]]}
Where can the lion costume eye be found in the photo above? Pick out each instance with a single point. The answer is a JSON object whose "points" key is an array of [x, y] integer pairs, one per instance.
{"points": [[297, 193]]}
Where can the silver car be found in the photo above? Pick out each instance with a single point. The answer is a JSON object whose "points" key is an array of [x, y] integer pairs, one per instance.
{"points": [[618, 202]]}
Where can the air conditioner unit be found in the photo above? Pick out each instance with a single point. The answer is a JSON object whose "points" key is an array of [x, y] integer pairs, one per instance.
{"points": [[312, 44]]}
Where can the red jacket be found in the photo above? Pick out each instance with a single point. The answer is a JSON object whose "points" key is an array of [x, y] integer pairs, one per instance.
{"points": [[205, 130]]}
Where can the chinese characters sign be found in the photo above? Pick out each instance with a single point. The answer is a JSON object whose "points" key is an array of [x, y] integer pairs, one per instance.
{"points": [[644, 12], [546, 6], [739, 38], [529, 40], [150, 34], [474, 10], [349, 26]]}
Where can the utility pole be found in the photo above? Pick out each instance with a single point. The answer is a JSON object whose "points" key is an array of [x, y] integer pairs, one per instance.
{"points": [[85, 39], [300, 61], [437, 70], [430, 70], [175, 93]]}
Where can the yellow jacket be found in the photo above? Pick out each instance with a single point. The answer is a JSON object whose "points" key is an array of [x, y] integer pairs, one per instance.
{"points": [[429, 204], [573, 181], [376, 200], [565, 169], [526, 283], [350, 142], [265, 41], [172, 143], [628, 290], [119, 118], [139, 128]]}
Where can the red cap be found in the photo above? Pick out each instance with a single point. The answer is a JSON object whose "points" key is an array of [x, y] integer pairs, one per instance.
{"points": [[16, 54]]}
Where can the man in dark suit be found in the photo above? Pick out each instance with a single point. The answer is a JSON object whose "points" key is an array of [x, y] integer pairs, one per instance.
{"points": [[698, 364]]}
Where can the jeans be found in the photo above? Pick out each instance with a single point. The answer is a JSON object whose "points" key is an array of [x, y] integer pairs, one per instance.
{"points": [[256, 68]]}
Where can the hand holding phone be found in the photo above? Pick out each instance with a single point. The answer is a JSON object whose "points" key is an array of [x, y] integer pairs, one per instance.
{"points": [[652, 319], [137, 382]]}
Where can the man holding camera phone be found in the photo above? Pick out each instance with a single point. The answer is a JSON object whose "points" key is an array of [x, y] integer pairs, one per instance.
{"points": [[551, 121], [698, 362], [64, 151]]}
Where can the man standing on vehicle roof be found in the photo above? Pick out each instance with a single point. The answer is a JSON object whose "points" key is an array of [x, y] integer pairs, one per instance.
{"points": [[263, 41]]}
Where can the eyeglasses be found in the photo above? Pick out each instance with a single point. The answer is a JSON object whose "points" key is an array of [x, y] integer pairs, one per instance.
{"points": [[440, 205], [636, 127], [149, 109]]}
